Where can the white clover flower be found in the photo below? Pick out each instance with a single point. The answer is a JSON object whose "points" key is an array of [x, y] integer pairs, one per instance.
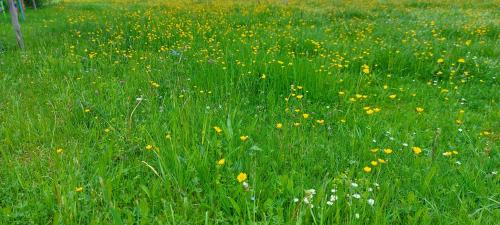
{"points": [[295, 200], [458, 163], [334, 190], [370, 189], [371, 201], [333, 198], [356, 215], [329, 203], [405, 144], [357, 196], [354, 185]]}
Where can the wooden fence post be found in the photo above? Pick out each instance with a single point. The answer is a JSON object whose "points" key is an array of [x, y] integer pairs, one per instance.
{"points": [[15, 24]]}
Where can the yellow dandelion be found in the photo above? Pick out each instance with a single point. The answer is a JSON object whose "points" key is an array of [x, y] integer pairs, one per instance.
{"points": [[392, 96], [382, 161], [305, 115], [419, 109], [369, 112], [447, 153], [366, 69], [320, 122], [461, 60], [279, 126], [416, 150], [374, 163], [244, 138], [217, 129], [242, 177], [299, 97], [79, 189], [221, 162], [149, 147], [367, 169], [387, 151], [59, 150], [440, 60], [374, 150]]}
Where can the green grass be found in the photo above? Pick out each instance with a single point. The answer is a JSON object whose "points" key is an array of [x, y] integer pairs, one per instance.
{"points": [[99, 82]]}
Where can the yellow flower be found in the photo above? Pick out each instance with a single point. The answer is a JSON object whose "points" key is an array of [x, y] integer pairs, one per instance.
{"points": [[381, 161], [366, 69], [217, 129], [244, 138], [376, 110], [87, 110], [296, 124], [242, 177], [440, 60], [279, 125], [369, 112], [461, 60], [416, 150], [367, 169], [59, 150], [79, 189], [341, 93], [374, 163], [149, 147], [387, 151], [392, 96], [107, 130], [419, 109], [155, 85], [385, 86], [485, 133], [374, 150], [300, 97], [447, 153], [221, 162], [305, 115], [320, 122]]}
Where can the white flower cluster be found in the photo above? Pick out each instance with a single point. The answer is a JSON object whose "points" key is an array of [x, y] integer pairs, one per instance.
{"points": [[308, 197]]}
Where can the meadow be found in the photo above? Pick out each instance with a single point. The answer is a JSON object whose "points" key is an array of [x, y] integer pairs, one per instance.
{"points": [[251, 112]]}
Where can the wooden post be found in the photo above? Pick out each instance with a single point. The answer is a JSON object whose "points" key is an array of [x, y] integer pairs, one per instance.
{"points": [[15, 24]]}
